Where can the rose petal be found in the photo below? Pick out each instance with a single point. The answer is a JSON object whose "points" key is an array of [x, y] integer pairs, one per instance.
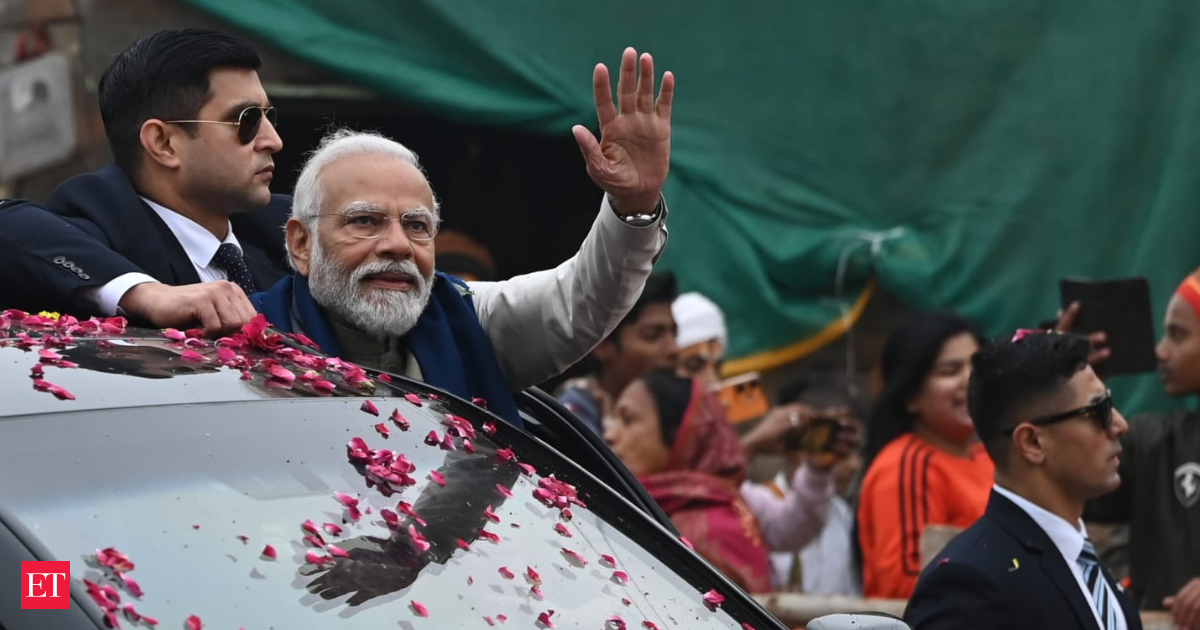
{"points": [[382, 429], [386, 378], [491, 516], [575, 556], [533, 575], [314, 541], [544, 619], [432, 439], [149, 621], [501, 618], [489, 427], [508, 575], [536, 591], [269, 552], [609, 560], [49, 356], [616, 622], [746, 626], [437, 478], [713, 600], [479, 402], [173, 334], [504, 491], [130, 612], [505, 454], [323, 386], [336, 551], [37, 371], [448, 443], [468, 446], [462, 544], [526, 468], [333, 529], [313, 557], [562, 529], [400, 420], [310, 527], [483, 533], [621, 577], [412, 398], [193, 357], [686, 543], [489, 620], [113, 559], [625, 600], [131, 585], [418, 539], [244, 539], [193, 623], [345, 499], [649, 625], [419, 608], [370, 408], [279, 372]]}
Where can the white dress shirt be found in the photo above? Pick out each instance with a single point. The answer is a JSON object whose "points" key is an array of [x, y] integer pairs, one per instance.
{"points": [[198, 243], [1068, 539]]}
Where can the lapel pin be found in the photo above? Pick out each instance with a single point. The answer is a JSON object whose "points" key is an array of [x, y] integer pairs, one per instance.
{"points": [[1016, 565]]}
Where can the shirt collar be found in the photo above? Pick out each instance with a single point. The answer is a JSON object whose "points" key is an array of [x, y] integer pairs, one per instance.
{"points": [[199, 244], [1066, 537]]}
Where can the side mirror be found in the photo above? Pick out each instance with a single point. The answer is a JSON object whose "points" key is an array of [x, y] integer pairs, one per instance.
{"points": [[857, 621]]}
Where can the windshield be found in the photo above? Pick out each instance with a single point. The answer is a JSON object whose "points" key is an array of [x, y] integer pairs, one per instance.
{"points": [[334, 512]]}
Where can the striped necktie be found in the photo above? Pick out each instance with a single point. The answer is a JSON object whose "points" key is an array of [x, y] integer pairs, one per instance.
{"points": [[229, 258], [1093, 578]]}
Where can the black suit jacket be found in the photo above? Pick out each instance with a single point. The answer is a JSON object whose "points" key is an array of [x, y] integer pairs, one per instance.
{"points": [[103, 230], [1004, 572]]}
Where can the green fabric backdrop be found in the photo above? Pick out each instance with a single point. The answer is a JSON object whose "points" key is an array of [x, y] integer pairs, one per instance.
{"points": [[1001, 144]]}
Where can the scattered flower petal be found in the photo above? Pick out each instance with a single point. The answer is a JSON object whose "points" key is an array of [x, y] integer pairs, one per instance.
{"points": [[385, 378], [468, 446], [625, 600], [313, 557], [489, 427], [333, 529], [448, 443], [46, 386], [432, 439], [192, 356], [400, 420], [616, 622], [479, 402], [620, 577], [437, 478], [336, 551], [470, 580], [131, 585], [113, 559], [533, 575], [173, 334], [345, 499], [575, 556], [505, 454], [544, 619], [323, 386], [504, 491], [413, 398], [37, 371], [370, 408], [314, 541], [417, 538], [483, 533], [489, 620], [649, 625], [536, 591], [713, 600], [419, 608], [526, 468], [501, 618], [686, 543], [244, 539], [562, 529], [281, 373], [491, 516], [746, 626], [269, 552], [508, 575], [462, 544], [193, 623], [382, 429]]}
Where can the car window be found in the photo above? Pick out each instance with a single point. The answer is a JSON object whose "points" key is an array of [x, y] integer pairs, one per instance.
{"points": [[402, 512]]}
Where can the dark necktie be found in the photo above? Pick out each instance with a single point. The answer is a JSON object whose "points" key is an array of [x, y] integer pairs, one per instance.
{"points": [[1093, 577], [229, 258]]}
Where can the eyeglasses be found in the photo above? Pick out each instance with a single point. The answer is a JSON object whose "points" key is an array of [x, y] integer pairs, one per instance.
{"points": [[248, 122], [1101, 412], [420, 226]]}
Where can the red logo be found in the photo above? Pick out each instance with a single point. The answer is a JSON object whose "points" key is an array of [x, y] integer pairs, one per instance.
{"points": [[46, 585]]}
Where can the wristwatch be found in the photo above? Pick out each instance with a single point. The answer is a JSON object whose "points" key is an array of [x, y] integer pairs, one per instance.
{"points": [[644, 219]]}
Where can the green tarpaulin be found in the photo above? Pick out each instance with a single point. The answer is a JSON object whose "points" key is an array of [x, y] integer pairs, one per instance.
{"points": [[965, 153]]}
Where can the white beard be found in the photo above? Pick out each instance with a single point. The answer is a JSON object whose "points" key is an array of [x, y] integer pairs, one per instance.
{"points": [[377, 312]]}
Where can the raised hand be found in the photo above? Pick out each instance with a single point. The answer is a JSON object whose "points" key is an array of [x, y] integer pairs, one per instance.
{"points": [[631, 159]]}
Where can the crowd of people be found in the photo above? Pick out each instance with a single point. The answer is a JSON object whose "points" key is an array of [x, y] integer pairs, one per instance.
{"points": [[1014, 442]]}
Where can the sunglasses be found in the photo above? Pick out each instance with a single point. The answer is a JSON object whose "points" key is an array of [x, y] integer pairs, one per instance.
{"points": [[1101, 412], [248, 122]]}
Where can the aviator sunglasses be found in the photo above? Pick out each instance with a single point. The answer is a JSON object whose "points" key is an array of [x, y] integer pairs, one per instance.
{"points": [[248, 122]]}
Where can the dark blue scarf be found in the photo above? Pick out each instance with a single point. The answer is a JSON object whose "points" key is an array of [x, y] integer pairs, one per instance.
{"points": [[450, 346]]}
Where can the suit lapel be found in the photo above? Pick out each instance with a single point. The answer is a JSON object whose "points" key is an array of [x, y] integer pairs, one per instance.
{"points": [[1133, 617], [1013, 519]]}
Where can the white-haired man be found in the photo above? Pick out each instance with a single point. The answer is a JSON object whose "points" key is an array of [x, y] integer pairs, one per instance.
{"points": [[361, 241]]}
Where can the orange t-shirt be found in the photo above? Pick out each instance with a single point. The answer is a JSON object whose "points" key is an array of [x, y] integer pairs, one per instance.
{"points": [[910, 484]]}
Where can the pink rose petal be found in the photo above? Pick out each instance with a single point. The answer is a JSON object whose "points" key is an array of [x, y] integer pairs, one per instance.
{"points": [[310, 527], [400, 420], [412, 398], [336, 551], [382, 429], [173, 334], [504, 491], [746, 626], [370, 408], [193, 623], [489, 620], [448, 443], [620, 577], [505, 454], [686, 543], [483, 533], [385, 378], [536, 591], [462, 544], [625, 600], [192, 356], [508, 575], [649, 625], [468, 446], [419, 608], [323, 386], [470, 580], [562, 529], [131, 585], [244, 539], [59, 392], [575, 556], [418, 539], [491, 516], [281, 373], [479, 402], [616, 622], [501, 618], [130, 612], [313, 557], [609, 560], [37, 371], [489, 427], [713, 600], [314, 541], [526, 468], [335, 530], [533, 575], [437, 478], [544, 619], [113, 559], [269, 552]]}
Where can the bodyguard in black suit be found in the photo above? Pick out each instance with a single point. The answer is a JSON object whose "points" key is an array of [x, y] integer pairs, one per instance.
{"points": [[188, 200], [1049, 425]]}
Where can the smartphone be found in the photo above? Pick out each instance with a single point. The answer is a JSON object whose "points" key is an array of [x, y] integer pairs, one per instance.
{"points": [[1121, 308], [742, 397], [818, 436]]}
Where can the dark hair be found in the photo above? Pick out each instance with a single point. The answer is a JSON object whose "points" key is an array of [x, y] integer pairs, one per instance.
{"points": [[660, 288], [164, 76], [1010, 377], [671, 394], [909, 355]]}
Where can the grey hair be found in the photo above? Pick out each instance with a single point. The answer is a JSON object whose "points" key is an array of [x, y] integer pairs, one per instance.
{"points": [[341, 143]]}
